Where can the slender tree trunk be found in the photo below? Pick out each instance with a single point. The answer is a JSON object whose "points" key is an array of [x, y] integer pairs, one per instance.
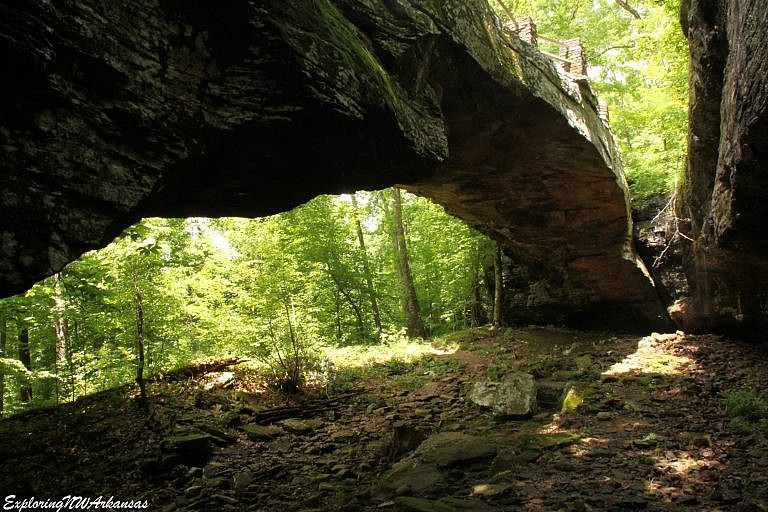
{"points": [[140, 344], [337, 302], [70, 362], [474, 311], [293, 367], [498, 290], [25, 388], [84, 352], [59, 328], [409, 300], [3, 345], [366, 267], [280, 377]]}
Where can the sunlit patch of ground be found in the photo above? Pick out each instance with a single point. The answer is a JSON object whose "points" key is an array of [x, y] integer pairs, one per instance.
{"points": [[650, 357], [401, 349]]}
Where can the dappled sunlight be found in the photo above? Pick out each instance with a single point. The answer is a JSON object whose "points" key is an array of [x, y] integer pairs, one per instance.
{"points": [[587, 445], [404, 350], [653, 438], [648, 358], [681, 468], [682, 463], [651, 426]]}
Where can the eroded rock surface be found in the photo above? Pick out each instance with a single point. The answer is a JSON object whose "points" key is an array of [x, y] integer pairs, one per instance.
{"points": [[114, 111], [514, 395], [727, 183]]}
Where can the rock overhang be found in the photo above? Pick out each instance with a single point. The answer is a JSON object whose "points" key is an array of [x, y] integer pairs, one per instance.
{"points": [[175, 109]]}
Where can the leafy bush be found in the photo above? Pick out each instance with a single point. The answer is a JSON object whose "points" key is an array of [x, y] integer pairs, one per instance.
{"points": [[290, 358]]}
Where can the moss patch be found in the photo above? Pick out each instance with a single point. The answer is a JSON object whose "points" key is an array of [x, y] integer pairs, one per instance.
{"points": [[571, 399], [322, 22]]}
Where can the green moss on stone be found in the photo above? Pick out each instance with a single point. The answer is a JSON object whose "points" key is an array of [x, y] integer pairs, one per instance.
{"points": [[324, 21], [571, 399]]}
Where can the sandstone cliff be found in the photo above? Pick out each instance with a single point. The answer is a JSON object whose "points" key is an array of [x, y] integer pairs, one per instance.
{"points": [[726, 190]]}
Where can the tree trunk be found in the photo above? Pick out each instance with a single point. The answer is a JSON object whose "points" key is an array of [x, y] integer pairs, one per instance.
{"points": [[25, 387], [475, 306], [366, 267], [337, 303], [498, 289], [409, 300], [70, 362], [3, 344], [59, 327], [140, 344]]}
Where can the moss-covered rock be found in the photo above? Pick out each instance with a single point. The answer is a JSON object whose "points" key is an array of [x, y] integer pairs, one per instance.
{"points": [[257, 432], [570, 399], [526, 448]]}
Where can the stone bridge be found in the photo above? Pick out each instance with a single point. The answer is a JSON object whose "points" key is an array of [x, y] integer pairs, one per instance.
{"points": [[111, 111]]}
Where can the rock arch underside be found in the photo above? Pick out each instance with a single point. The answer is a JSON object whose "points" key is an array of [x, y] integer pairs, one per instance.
{"points": [[112, 111]]}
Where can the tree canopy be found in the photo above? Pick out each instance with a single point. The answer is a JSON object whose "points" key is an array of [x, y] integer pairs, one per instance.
{"points": [[172, 291]]}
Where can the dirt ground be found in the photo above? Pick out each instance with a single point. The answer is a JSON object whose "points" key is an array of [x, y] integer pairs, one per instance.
{"points": [[661, 422]]}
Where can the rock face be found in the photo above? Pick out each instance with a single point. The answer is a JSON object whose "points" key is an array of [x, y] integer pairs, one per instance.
{"points": [[114, 111], [726, 191], [514, 396]]}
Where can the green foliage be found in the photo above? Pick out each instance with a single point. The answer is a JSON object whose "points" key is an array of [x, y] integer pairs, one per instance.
{"points": [[639, 68], [500, 367], [395, 367], [438, 365], [749, 413], [543, 366], [746, 404], [285, 291], [652, 382], [406, 382]]}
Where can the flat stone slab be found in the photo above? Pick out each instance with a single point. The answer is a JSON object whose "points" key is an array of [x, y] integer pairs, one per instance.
{"points": [[186, 443], [261, 432], [299, 426], [425, 467]]}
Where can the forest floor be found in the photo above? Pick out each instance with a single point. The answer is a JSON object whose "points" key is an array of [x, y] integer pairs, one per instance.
{"points": [[663, 422]]}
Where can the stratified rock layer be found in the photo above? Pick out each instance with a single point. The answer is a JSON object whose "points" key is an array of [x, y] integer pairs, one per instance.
{"points": [[726, 191], [113, 111]]}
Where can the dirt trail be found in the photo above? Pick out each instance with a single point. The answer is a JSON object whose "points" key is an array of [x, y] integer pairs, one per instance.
{"points": [[645, 428]]}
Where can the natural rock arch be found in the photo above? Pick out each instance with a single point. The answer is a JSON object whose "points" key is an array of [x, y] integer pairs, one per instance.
{"points": [[114, 111]]}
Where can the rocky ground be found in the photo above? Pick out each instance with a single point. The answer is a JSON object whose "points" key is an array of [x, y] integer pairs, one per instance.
{"points": [[664, 422]]}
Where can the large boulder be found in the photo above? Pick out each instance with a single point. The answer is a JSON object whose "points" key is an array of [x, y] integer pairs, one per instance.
{"points": [[725, 196], [114, 111], [514, 395]]}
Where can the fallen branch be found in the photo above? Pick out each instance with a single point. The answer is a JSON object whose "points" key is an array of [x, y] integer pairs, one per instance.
{"points": [[196, 370], [659, 260], [304, 410]]}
